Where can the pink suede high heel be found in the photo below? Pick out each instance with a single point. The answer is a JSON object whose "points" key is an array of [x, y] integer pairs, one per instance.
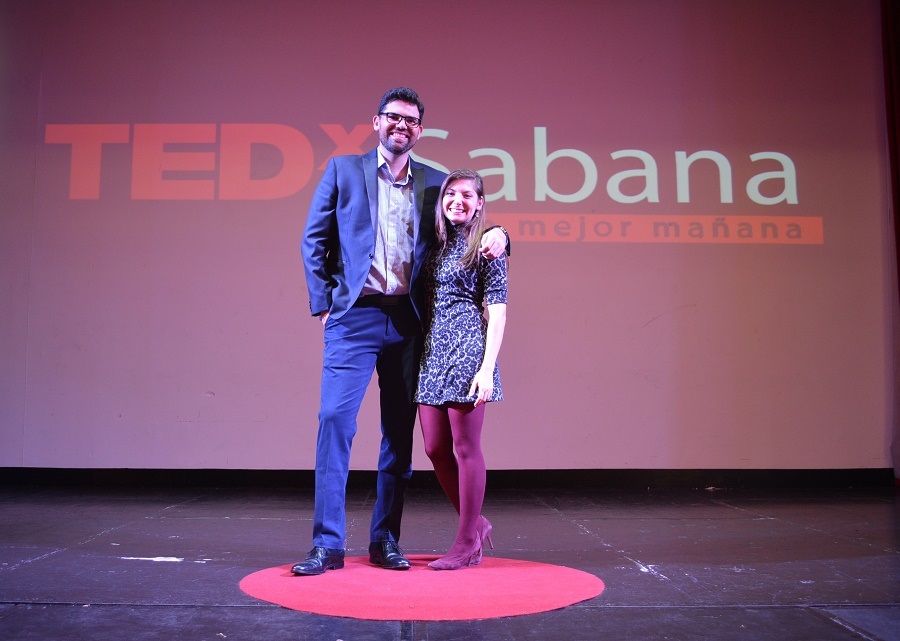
{"points": [[472, 556], [485, 535], [486, 529]]}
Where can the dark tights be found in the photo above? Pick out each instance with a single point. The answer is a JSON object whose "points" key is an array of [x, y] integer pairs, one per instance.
{"points": [[449, 427]]}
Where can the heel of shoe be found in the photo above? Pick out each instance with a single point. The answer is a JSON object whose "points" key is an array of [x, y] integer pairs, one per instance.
{"points": [[486, 529]]}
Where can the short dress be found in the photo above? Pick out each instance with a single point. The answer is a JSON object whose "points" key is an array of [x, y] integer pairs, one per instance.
{"points": [[456, 328]]}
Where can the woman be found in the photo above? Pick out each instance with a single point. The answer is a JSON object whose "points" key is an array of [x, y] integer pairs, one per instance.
{"points": [[458, 373]]}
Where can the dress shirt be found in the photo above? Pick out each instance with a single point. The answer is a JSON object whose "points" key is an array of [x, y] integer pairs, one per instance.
{"points": [[394, 234]]}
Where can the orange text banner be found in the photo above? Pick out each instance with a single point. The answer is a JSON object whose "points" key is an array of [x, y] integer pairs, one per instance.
{"points": [[677, 228]]}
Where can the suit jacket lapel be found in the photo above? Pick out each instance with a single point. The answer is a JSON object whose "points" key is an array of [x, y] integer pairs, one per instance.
{"points": [[370, 172], [418, 177]]}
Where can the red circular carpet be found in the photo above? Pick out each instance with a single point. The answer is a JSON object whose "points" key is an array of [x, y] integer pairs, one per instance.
{"points": [[495, 588]]}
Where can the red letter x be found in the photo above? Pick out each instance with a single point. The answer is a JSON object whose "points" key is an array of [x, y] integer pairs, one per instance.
{"points": [[347, 142]]}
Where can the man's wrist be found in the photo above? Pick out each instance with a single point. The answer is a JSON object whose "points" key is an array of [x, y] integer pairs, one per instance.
{"points": [[505, 233]]}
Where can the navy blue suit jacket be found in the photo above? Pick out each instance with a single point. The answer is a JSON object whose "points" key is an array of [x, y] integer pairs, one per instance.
{"points": [[339, 240]]}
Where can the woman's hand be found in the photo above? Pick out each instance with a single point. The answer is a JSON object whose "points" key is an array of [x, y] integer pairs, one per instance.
{"points": [[483, 384]]}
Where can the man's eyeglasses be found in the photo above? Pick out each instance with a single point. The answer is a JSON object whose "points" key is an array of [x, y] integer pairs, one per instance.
{"points": [[395, 119]]}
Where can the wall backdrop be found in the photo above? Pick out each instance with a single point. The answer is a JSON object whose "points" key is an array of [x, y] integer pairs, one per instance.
{"points": [[697, 193]]}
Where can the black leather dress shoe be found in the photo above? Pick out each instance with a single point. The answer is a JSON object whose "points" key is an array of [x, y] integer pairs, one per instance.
{"points": [[388, 555], [318, 561]]}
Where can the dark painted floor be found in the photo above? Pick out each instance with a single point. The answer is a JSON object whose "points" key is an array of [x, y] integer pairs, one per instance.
{"points": [[677, 564]]}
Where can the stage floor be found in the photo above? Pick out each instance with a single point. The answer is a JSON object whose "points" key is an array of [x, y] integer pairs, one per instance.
{"points": [[105, 563]]}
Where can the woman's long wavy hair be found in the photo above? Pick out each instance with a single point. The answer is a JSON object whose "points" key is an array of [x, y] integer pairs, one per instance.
{"points": [[473, 229]]}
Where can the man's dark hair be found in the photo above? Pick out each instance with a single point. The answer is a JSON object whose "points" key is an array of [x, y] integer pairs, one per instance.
{"points": [[404, 94]]}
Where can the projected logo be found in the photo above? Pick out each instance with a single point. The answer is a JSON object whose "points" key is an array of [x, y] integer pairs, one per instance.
{"points": [[210, 161]]}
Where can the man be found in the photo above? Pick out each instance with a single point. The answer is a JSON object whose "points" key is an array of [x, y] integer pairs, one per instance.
{"points": [[370, 225]]}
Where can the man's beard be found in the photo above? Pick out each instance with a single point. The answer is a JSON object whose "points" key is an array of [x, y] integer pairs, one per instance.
{"points": [[394, 146]]}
